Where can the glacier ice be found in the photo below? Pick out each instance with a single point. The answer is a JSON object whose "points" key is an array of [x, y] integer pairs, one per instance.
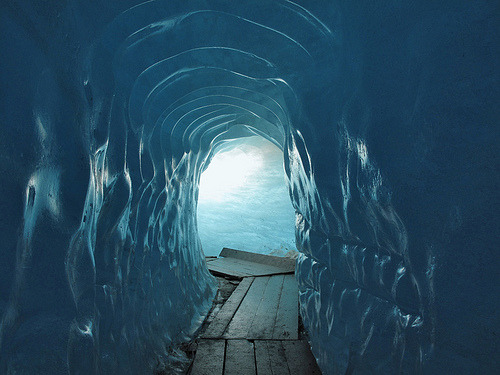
{"points": [[387, 113]]}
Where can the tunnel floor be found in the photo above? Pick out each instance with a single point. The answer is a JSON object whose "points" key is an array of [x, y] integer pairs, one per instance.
{"points": [[255, 330]]}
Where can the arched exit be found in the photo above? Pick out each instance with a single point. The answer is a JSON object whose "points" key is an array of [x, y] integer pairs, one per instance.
{"points": [[243, 200]]}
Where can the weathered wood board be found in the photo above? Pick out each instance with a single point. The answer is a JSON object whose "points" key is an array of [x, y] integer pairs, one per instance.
{"points": [[263, 324], [244, 316], [287, 317], [239, 263], [219, 324], [288, 264], [209, 359], [270, 358], [240, 358], [269, 310], [300, 358], [261, 357]]}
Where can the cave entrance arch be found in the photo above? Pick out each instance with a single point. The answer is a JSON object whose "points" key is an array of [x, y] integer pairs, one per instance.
{"points": [[243, 200]]}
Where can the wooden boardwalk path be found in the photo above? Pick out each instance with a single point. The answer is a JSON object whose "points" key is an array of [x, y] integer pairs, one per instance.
{"points": [[256, 330]]}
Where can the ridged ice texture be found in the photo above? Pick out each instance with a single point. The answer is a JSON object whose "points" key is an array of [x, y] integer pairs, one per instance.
{"points": [[387, 113]]}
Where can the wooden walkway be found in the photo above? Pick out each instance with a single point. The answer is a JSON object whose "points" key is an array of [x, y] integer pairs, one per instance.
{"points": [[256, 330]]}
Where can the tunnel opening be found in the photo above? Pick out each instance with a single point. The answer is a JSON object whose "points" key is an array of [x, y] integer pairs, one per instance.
{"points": [[243, 200]]}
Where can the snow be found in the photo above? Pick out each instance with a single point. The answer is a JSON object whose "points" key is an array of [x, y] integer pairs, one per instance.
{"points": [[243, 201]]}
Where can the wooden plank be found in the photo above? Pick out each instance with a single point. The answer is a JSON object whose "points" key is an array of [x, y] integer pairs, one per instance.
{"points": [[243, 318], [209, 359], [243, 268], [270, 358], [262, 358], [219, 324], [287, 318], [265, 317], [221, 267], [248, 267], [240, 358], [285, 263], [279, 363], [299, 357]]}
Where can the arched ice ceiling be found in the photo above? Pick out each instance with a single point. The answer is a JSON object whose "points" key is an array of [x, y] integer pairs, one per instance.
{"points": [[196, 76]]}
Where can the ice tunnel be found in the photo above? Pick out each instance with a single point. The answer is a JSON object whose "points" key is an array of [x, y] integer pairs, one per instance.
{"points": [[386, 112]]}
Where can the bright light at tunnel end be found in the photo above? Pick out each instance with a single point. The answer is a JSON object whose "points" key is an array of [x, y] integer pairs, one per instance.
{"points": [[227, 171]]}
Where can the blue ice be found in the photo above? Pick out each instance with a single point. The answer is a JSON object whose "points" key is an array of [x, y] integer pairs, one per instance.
{"points": [[387, 116]]}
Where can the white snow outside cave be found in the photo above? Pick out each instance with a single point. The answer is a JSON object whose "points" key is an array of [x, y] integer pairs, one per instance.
{"points": [[243, 201]]}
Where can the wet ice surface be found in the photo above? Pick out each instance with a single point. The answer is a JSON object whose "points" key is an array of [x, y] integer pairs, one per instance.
{"points": [[387, 115], [244, 202]]}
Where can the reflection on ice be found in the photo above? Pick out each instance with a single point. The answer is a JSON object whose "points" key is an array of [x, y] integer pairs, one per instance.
{"points": [[386, 113]]}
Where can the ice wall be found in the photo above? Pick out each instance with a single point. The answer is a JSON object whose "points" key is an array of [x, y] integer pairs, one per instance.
{"points": [[388, 116]]}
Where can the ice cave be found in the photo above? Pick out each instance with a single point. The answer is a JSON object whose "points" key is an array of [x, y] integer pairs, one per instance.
{"points": [[387, 117]]}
